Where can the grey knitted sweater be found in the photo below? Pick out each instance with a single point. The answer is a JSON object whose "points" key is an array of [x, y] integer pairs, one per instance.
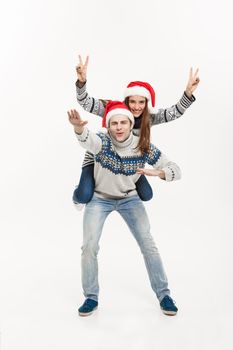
{"points": [[115, 163]]}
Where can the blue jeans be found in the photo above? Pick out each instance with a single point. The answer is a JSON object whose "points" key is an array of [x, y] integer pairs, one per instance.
{"points": [[134, 214], [85, 190]]}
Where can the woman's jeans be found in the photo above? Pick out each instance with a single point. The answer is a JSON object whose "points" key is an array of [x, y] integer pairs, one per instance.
{"points": [[85, 190], [134, 214]]}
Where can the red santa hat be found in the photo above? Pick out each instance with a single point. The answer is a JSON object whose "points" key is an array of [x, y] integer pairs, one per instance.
{"points": [[116, 108], [140, 88]]}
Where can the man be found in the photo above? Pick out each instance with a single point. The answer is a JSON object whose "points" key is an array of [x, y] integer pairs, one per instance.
{"points": [[118, 165]]}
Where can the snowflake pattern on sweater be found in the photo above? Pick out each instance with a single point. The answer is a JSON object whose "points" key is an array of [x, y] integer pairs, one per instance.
{"points": [[109, 159]]}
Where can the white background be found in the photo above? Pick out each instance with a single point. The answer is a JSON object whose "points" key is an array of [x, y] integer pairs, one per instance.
{"points": [[41, 233]]}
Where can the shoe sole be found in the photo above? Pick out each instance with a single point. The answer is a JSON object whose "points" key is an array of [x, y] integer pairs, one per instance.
{"points": [[169, 313], [83, 314], [79, 206]]}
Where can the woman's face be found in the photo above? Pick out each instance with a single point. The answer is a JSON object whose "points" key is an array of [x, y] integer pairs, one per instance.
{"points": [[137, 105]]}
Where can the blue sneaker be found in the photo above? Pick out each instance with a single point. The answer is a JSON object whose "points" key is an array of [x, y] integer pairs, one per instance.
{"points": [[168, 306], [88, 307]]}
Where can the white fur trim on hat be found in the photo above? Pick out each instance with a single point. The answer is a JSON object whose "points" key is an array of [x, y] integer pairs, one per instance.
{"points": [[119, 111], [137, 91]]}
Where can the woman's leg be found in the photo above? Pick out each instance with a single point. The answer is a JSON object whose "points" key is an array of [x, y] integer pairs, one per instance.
{"points": [[85, 190], [144, 189]]}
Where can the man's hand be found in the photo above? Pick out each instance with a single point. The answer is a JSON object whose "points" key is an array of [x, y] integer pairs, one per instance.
{"points": [[81, 69], [151, 172], [76, 121], [192, 82]]}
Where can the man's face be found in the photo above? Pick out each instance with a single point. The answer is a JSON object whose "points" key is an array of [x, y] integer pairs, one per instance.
{"points": [[137, 105], [119, 127]]}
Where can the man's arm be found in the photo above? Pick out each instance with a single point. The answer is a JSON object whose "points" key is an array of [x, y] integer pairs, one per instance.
{"points": [[152, 172], [177, 110], [87, 139], [163, 167]]}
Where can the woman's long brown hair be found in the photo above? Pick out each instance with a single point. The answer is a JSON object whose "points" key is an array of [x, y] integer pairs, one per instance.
{"points": [[144, 137]]}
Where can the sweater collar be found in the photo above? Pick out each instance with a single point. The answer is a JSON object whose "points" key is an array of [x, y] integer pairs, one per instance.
{"points": [[123, 144]]}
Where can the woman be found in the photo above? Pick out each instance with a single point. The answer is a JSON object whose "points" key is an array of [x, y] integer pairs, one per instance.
{"points": [[140, 98]]}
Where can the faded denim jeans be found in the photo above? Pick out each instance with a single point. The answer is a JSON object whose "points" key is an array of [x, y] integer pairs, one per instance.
{"points": [[134, 214]]}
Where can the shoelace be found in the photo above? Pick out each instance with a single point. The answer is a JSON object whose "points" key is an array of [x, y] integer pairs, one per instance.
{"points": [[89, 302], [169, 301]]}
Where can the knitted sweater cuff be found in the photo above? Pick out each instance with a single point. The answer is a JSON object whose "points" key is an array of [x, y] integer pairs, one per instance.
{"points": [[84, 136], [80, 87], [184, 103], [169, 173]]}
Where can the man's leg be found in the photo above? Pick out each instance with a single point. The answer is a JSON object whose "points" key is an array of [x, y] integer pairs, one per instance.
{"points": [[95, 214], [133, 212]]}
